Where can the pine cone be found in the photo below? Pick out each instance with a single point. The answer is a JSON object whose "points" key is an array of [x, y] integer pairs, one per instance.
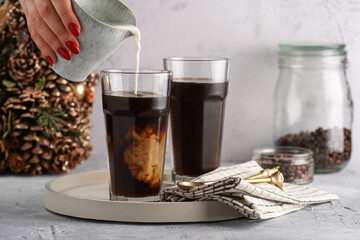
{"points": [[60, 90], [68, 154], [16, 163], [24, 67], [3, 72], [26, 141], [23, 41], [63, 97], [3, 96], [16, 19], [3, 36], [92, 80], [3, 156], [7, 42]]}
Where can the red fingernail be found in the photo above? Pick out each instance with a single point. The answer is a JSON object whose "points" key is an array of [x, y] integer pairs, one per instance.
{"points": [[49, 60], [74, 29], [64, 53], [73, 47]]}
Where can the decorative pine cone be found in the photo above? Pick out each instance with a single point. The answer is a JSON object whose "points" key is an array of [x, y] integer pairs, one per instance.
{"points": [[24, 67], [62, 97], [4, 36], [16, 19], [3, 72], [26, 140], [68, 154], [7, 42], [16, 163], [91, 81], [60, 90], [3, 97], [69, 98], [23, 41], [3, 156]]}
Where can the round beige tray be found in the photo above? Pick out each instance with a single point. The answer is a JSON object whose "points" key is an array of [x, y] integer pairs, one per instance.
{"points": [[86, 195]]}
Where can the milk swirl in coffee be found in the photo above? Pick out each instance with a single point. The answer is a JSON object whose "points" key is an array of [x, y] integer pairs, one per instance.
{"points": [[136, 133]]}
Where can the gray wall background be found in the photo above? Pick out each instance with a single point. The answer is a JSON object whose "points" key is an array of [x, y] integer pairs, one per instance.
{"points": [[247, 31]]}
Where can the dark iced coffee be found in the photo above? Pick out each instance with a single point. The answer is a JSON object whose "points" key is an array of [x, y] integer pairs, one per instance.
{"points": [[197, 119], [136, 135]]}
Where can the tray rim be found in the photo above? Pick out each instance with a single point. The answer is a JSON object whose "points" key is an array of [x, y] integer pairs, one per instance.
{"points": [[59, 203]]}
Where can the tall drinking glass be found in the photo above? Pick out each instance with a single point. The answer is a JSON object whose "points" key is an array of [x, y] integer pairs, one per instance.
{"points": [[136, 126], [198, 93]]}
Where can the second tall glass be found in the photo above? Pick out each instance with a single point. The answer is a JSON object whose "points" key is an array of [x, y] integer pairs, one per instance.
{"points": [[198, 94]]}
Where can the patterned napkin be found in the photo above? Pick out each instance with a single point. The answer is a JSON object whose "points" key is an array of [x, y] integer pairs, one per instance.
{"points": [[255, 201]]}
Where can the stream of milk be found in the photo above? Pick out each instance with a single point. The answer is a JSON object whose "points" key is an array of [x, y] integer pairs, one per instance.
{"points": [[137, 35]]}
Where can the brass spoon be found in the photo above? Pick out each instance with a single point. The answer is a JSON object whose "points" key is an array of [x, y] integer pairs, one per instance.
{"points": [[192, 185], [264, 173], [276, 179]]}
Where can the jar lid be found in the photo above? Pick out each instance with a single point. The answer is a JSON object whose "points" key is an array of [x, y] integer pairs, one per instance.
{"points": [[312, 49]]}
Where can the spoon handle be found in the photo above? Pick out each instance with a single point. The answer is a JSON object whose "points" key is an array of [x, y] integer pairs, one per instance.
{"points": [[263, 180], [209, 182]]}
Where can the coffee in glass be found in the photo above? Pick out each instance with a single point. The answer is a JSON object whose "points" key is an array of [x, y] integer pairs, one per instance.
{"points": [[198, 94], [136, 125]]}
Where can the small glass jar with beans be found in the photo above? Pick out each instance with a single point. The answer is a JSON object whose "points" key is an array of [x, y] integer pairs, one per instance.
{"points": [[296, 164]]}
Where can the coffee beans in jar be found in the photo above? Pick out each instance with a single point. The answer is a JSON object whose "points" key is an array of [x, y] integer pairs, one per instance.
{"points": [[313, 106], [296, 164], [331, 147]]}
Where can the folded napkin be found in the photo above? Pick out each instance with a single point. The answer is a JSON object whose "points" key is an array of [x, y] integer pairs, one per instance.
{"points": [[255, 201]]}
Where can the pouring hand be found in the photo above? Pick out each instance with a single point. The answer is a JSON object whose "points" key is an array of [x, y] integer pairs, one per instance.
{"points": [[53, 26]]}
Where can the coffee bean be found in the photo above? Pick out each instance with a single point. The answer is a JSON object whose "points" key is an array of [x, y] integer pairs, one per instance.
{"points": [[331, 147]]}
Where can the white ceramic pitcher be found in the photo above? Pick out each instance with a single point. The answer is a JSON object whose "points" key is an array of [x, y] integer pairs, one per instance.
{"points": [[99, 37]]}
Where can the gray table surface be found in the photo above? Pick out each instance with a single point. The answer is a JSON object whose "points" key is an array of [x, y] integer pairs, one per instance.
{"points": [[23, 215]]}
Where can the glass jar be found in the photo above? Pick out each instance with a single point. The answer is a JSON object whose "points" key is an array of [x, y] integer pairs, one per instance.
{"points": [[296, 164], [313, 104]]}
